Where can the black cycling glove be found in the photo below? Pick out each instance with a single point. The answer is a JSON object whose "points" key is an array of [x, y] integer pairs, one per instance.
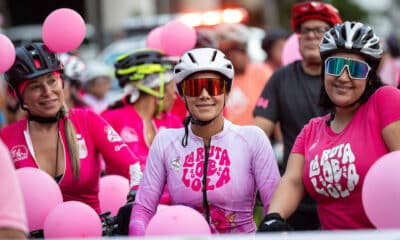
{"points": [[273, 222]]}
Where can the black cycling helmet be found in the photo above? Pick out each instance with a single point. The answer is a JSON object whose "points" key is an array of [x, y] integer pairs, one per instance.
{"points": [[135, 66], [31, 61]]}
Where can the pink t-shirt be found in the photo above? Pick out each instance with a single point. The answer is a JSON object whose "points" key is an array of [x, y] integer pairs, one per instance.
{"points": [[12, 209], [94, 135], [241, 161], [336, 163], [130, 126], [245, 91]]}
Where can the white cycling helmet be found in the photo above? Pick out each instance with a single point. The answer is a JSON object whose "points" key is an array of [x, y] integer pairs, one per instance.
{"points": [[203, 60], [74, 67], [351, 37]]}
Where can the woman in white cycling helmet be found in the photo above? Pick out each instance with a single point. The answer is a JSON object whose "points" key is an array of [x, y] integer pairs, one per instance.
{"points": [[211, 165]]}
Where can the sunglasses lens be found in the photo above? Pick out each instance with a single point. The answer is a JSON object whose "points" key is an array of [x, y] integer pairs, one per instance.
{"points": [[334, 66], [193, 87], [357, 69]]}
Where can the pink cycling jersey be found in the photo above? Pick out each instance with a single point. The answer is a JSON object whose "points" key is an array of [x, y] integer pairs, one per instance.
{"points": [[241, 160], [12, 209], [336, 163], [94, 135], [130, 126]]}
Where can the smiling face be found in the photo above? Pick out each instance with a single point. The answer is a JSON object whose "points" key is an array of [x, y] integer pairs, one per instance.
{"points": [[343, 90], [205, 107], [311, 33], [43, 96]]}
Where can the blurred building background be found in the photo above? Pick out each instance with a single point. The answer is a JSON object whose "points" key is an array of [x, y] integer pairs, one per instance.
{"points": [[109, 20]]}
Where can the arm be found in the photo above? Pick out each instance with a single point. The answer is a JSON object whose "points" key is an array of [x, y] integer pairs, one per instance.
{"points": [[8, 233], [118, 157], [290, 190], [391, 136], [151, 187], [13, 222], [265, 124]]}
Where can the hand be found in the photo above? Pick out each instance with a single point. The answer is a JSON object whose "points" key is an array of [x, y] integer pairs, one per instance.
{"points": [[131, 196], [273, 222]]}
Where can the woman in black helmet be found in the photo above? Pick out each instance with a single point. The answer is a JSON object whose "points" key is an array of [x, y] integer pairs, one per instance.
{"points": [[63, 143], [333, 153]]}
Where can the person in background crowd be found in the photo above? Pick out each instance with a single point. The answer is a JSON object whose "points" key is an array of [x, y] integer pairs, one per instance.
{"points": [[272, 44], [332, 154], [389, 70], [62, 142], [291, 95], [74, 77], [250, 78], [146, 77], [234, 160], [13, 222], [97, 85]]}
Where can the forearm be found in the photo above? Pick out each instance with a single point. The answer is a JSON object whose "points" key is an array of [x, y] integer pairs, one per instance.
{"points": [[287, 197], [9, 233]]}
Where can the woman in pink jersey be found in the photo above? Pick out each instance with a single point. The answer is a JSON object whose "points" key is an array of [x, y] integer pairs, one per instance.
{"points": [[333, 153], [145, 76], [62, 142], [210, 164]]}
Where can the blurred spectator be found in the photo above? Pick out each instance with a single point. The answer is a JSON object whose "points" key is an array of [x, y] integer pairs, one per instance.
{"points": [[74, 77], [97, 84], [390, 66], [272, 44], [250, 78]]}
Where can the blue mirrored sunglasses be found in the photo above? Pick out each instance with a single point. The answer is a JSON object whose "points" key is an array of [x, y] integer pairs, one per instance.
{"points": [[357, 69]]}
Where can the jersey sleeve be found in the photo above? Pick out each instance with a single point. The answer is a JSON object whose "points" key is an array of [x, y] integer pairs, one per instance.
{"points": [[151, 187], [12, 209], [118, 157], [267, 103], [387, 99], [265, 167]]}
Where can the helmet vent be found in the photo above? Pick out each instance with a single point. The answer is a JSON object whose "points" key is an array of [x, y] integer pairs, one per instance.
{"points": [[214, 56], [192, 58]]}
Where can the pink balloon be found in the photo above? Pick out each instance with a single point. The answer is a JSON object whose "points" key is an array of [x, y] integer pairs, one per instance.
{"points": [[113, 193], [41, 194], [153, 40], [72, 219], [177, 220], [7, 51], [380, 192], [63, 30], [290, 52], [161, 207], [177, 38]]}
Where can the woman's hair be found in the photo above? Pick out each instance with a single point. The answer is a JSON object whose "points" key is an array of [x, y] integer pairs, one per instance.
{"points": [[72, 143]]}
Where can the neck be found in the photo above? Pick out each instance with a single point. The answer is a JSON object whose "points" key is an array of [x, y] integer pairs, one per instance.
{"points": [[145, 106], [209, 130], [342, 117], [312, 69], [42, 127]]}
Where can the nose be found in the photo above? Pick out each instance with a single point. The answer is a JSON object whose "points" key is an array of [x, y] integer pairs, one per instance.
{"points": [[46, 89], [204, 93], [345, 75]]}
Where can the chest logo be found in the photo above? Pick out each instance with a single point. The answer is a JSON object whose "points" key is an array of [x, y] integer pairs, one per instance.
{"points": [[19, 152]]}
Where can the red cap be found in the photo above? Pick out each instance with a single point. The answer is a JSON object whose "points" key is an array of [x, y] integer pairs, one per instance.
{"points": [[304, 11]]}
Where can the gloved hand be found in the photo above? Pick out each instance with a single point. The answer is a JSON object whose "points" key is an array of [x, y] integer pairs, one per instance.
{"points": [[273, 222]]}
